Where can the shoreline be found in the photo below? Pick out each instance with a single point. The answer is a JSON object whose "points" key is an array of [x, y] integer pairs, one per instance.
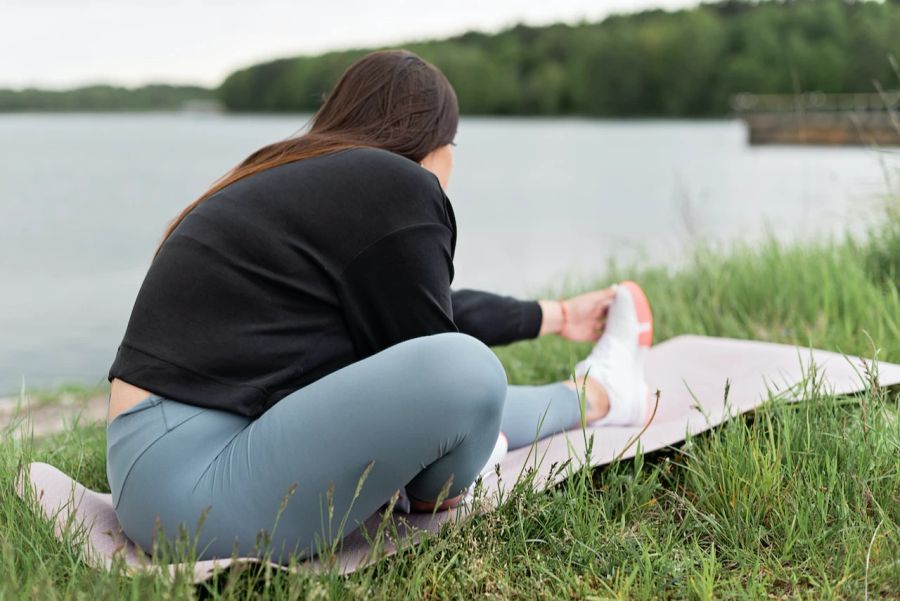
{"points": [[47, 413]]}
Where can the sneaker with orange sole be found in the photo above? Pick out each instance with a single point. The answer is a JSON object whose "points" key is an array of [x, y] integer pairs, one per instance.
{"points": [[617, 360]]}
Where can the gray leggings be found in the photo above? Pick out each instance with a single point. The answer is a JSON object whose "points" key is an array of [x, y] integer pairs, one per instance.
{"points": [[422, 412]]}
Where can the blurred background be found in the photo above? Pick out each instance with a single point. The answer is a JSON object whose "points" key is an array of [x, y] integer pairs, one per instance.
{"points": [[627, 132]]}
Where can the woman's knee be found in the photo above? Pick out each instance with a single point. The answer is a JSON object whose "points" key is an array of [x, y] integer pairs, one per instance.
{"points": [[467, 372]]}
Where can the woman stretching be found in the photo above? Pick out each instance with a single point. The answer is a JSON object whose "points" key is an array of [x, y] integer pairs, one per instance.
{"points": [[296, 330]]}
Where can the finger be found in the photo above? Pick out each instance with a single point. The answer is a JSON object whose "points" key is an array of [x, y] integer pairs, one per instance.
{"points": [[600, 307], [604, 302]]}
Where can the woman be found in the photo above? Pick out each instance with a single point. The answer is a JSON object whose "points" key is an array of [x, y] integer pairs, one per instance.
{"points": [[296, 332]]}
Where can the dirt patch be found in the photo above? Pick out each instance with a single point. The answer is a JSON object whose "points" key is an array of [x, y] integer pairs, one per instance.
{"points": [[47, 417]]}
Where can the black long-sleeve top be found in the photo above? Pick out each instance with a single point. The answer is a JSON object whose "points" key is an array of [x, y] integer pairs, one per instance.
{"points": [[292, 273]]}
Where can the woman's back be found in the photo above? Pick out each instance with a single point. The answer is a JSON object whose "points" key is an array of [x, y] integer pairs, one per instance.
{"points": [[290, 274]]}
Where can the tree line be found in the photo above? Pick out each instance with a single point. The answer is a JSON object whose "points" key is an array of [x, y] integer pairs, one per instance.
{"points": [[105, 98], [653, 63], [686, 63]]}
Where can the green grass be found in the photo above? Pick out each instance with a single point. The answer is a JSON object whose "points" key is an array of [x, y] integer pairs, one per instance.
{"points": [[797, 501]]}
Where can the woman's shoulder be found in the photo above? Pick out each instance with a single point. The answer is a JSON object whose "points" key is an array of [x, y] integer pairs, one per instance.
{"points": [[360, 167], [379, 163], [387, 181]]}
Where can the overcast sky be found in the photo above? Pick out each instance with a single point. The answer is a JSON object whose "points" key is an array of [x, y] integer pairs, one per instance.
{"points": [[61, 43]]}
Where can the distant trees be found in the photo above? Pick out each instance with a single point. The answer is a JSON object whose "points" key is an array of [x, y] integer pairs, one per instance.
{"points": [[654, 63], [104, 98]]}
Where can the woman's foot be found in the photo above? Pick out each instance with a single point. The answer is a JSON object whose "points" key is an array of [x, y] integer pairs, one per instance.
{"points": [[417, 506], [500, 448], [617, 360], [497, 455]]}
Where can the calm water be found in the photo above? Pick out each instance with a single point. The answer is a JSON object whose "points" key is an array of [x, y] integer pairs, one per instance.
{"points": [[85, 199]]}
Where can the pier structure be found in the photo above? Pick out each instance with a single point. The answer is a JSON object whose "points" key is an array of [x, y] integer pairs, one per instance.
{"points": [[817, 118]]}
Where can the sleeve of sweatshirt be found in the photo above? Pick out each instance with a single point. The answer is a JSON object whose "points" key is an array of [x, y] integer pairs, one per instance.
{"points": [[495, 319], [398, 288]]}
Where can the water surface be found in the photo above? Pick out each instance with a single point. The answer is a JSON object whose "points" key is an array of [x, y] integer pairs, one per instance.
{"points": [[85, 198]]}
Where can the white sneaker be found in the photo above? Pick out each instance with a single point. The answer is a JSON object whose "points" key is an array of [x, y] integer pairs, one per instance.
{"points": [[500, 448], [617, 360], [497, 455]]}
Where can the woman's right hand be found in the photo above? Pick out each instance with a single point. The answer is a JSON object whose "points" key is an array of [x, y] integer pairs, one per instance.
{"points": [[582, 318]]}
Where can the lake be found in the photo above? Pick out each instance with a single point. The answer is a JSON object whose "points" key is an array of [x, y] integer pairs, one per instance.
{"points": [[85, 198]]}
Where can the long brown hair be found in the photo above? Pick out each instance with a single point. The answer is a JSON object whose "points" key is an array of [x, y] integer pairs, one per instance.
{"points": [[389, 99]]}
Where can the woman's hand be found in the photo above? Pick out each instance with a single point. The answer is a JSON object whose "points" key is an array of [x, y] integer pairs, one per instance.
{"points": [[582, 319]]}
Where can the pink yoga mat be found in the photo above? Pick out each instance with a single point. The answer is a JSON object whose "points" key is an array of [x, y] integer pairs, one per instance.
{"points": [[691, 373]]}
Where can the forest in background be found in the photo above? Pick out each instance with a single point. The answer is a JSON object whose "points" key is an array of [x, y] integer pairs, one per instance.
{"points": [[684, 63], [105, 98]]}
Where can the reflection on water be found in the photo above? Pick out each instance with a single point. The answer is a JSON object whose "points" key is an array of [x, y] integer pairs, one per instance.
{"points": [[86, 197]]}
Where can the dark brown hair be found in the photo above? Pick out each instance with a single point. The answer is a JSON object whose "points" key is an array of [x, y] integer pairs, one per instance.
{"points": [[389, 99]]}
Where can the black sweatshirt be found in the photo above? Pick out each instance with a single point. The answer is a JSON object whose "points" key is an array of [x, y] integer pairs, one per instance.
{"points": [[299, 270]]}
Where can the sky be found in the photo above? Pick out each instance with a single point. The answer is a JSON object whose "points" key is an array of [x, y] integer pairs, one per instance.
{"points": [[65, 43]]}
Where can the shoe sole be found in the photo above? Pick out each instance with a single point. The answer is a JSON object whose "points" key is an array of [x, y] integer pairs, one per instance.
{"points": [[644, 314]]}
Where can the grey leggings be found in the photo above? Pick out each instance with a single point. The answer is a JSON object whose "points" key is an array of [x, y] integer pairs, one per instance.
{"points": [[423, 412]]}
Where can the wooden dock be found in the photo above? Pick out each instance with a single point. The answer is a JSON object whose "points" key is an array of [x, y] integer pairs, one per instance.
{"points": [[816, 118]]}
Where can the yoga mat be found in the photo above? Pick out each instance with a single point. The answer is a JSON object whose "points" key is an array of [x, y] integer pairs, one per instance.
{"points": [[690, 372]]}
